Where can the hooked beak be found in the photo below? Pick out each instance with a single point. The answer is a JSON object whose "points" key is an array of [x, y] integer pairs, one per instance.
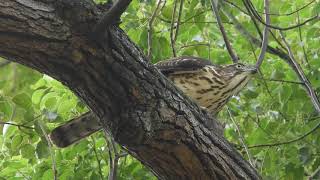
{"points": [[253, 70]]}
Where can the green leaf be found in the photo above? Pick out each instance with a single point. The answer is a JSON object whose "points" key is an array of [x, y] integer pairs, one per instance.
{"points": [[65, 107], [23, 100], [5, 109], [293, 172], [27, 151], [37, 96], [48, 174], [276, 74], [250, 94], [42, 149], [39, 84], [316, 9], [167, 11], [49, 101], [16, 141], [305, 155]]}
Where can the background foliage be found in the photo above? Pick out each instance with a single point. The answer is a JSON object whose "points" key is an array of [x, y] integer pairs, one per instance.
{"points": [[273, 108]]}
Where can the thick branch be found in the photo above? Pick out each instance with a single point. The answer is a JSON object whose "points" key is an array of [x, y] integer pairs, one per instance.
{"points": [[111, 16], [144, 112]]}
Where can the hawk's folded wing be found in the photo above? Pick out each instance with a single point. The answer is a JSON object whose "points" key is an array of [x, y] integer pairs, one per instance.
{"points": [[182, 64]]}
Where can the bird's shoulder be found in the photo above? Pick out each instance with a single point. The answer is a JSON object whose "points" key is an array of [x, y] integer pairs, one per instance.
{"points": [[183, 64]]}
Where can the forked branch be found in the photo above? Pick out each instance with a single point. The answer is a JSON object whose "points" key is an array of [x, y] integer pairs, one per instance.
{"points": [[111, 16]]}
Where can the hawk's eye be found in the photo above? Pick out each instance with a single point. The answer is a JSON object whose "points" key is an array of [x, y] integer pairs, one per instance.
{"points": [[239, 66]]}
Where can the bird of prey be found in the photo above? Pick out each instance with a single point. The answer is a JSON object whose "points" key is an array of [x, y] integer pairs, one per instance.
{"points": [[209, 85]]}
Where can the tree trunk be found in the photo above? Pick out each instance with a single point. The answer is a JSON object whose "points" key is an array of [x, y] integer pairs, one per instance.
{"points": [[143, 111]]}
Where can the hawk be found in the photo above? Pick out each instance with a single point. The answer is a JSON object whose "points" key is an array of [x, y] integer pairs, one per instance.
{"points": [[210, 86]]}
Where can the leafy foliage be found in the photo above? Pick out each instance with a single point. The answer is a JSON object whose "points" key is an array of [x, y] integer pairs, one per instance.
{"points": [[273, 108]]}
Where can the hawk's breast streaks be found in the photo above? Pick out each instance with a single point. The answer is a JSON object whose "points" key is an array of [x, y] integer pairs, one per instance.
{"points": [[211, 86]]}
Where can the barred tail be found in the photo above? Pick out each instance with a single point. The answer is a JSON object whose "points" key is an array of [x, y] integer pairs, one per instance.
{"points": [[75, 130]]}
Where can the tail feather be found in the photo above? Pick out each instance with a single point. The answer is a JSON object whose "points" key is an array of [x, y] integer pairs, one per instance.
{"points": [[75, 130]]}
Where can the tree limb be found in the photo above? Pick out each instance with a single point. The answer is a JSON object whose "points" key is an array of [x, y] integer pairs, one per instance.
{"points": [[111, 16], [296, 67], [287, 58], [265, 35], [232, 54], [138, 106]]}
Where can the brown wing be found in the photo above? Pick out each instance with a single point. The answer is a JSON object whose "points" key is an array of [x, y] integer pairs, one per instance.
{"points": [[182, 64]]}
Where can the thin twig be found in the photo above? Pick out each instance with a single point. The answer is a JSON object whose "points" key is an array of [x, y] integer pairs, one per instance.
{"points": [[24, 176], [289, 141], [303, 45], [249, 13], [110, 160], [115, 160], [314, 174], [287, 58], [284, 116], [257, 16], [172, 42], [265, 35], [178, 21], [97, 157], [18, 125], [150, 29], [241, 29], [313, 118], [272, 14], [198, 22], [214, 8], [296, 67], [236, 6], [111, 169], [257, 26], [282, 81], [257, 122], [192, 45], [253, 19], [241, 138], [261, 74], [52, 154], [187, 19], [123, 154]]}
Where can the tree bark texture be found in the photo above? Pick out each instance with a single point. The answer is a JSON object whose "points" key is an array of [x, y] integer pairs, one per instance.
{"points": [[140, 108]]}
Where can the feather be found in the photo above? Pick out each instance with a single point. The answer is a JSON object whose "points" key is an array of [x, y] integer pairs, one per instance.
{"points": [[184, 64]]}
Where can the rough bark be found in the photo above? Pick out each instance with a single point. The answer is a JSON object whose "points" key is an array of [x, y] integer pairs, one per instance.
{"points": [[143, 111]]}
